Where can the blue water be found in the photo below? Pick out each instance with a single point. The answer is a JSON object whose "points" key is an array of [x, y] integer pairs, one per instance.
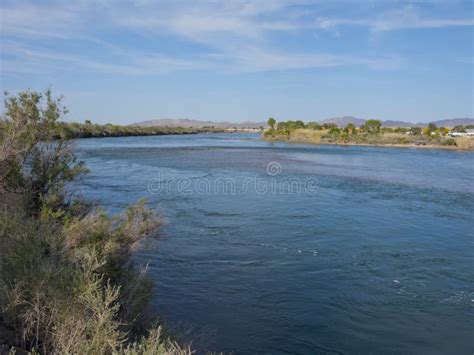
{"points": [[375, 256]]}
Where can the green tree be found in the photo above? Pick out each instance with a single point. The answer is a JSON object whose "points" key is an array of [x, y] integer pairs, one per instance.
{"points": [[329, 125], [372, 126], [294, 124], [36, 160], [271, 122], [282, 126], [350, 128], [68, 283], [299, 124], [313, 125], [432, 127], [416, 131]]}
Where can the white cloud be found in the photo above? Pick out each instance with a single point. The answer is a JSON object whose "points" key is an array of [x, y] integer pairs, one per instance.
{"points": [[235, 34], [400, 19]]}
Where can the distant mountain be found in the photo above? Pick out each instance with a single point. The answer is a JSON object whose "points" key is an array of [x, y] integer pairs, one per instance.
{"points": [[340, 121], [453, 122], [184, 122], [449, 123], [395, 124], [344, 121]]}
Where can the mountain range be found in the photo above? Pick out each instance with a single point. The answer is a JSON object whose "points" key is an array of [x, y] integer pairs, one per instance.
{"points": [[449, 123], [188, 123], [340, 121]]}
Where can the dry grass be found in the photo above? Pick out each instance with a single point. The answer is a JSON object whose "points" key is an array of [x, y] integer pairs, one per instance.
{"points": [[465, 143], [76, 297], [307, 135], [67, 281]]}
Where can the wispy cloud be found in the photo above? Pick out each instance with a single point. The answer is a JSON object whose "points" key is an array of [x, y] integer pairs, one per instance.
{"points": [[48, 61], [406, 18], [236, 35]]}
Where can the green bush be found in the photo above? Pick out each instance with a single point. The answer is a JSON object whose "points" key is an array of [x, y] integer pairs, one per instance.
{"points": [[448, 141], [67, 283]]}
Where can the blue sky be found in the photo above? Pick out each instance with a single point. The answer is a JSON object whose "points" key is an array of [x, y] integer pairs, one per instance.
{"points": [[127, 61]]}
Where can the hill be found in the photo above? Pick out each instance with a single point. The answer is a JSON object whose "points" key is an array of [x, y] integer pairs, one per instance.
{"points": [[340, 121], [188, 123], [454, 122], [344, 121], [449, 123], [395, 124]]}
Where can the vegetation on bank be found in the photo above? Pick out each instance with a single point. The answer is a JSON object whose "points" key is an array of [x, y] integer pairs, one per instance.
{"points": [[71, 130], [89, 130], [371, 133], [67, 281]]}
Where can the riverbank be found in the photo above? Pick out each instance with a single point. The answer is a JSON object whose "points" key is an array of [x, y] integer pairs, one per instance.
{"points": [[381, 139], [80, 130], [68, 283]]}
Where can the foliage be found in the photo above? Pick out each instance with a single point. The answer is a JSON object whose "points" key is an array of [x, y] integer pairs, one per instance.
{"points": [[415, 131], [313, 125], [449, 141], [372, 126], [271, 122], [329, 125], [32, 162], [55, 297], [288, 125], [90, 130], [350, 128], [460, 129], [465, 143], [370, 133], [67, 282]]}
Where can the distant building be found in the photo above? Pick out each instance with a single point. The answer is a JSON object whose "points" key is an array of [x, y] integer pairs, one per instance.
{"points": [[467, 133]]}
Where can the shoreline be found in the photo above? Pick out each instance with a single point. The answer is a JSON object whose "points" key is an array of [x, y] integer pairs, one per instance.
{"points": [[406, 146], [104, 134]]}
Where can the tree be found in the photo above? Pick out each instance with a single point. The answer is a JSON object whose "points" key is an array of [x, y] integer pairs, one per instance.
{"points": [[443, 131], [430, 130], [299, 124], [329, 125], [350, 128], [313, 125], [432, 127], [282, 126], [459, 128], [36, 159], [271, 122], [88, 122], [416, 131], [372, 126]]}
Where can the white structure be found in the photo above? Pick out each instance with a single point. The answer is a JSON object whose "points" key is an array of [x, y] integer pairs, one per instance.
{"points": [[468, 133]]}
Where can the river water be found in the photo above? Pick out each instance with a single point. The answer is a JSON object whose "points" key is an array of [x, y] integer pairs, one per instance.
{"points": [[285, 248]]}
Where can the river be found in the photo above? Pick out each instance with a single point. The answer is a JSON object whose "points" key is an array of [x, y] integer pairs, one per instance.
{"points": [[269, 247]]}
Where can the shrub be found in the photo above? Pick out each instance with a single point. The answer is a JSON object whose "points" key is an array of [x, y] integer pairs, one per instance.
{"points": [[67, 282], [372, 126], [465, 143], [32, 162], [313, 125], [448, 141], [416, 131], [306, 135], [334, 130]]}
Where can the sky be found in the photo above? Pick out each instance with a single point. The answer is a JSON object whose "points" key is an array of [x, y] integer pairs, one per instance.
{"points": [[236, 60]]}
